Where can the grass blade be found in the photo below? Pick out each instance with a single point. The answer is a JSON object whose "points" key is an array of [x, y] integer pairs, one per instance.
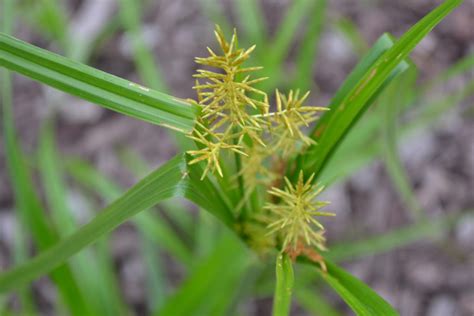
{"points": [[392, 240], [215, 273], [390, 103], [91, 179], [384, 43], [205, 235], [252, 20], [177, 212], [284, 285], [286, 31], [91, 274], [28, 205], [130, 12], [356, 95], [463, 65], [172, 179], [153, 229], [279, 47], [163, 235], [313, 302], [96, 86], [360, 298], [54, 188], [365, 148], [352, 34], [49, 16], [307, 54], [156, 284], [20, 241], [32, 215], [350, 250], [20, 255]]}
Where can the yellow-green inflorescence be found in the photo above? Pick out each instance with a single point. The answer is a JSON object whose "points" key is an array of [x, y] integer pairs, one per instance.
{"points": [[295, 214], [236, 118]]}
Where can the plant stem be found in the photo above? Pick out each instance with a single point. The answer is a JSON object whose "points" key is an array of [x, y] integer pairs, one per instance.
{"points": [[240, 179]]}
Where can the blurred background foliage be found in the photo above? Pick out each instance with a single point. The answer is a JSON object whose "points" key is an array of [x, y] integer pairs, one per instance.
{"points": [[403, 179]]}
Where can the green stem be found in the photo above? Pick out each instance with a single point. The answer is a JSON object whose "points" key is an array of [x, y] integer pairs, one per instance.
{"points": [[240, 179]]}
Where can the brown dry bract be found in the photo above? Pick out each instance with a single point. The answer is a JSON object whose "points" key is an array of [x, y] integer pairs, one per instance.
{"points": [[310, 253]]}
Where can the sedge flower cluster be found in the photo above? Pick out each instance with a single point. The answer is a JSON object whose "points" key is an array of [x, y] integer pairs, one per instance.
{"points": [[295, 214], [236, 118], [225, 101]]}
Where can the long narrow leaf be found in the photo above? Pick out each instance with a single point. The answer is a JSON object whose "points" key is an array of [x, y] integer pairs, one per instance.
{"points": [[172, 179], [213, 274], [281, 44], [286, 30], [28, 204], [350, 250], [362, 299], [364, 148], [353, 35], [384, 43], [252, 20], [94, 280], [314, 302], [284, 285], [130, 12], [20, 242], [102, 271], [177, 212], [96, 86], [464, 64], [356, 95], [390, 104], [49, 17], [307, 54], [155, 230], [205, 235]]}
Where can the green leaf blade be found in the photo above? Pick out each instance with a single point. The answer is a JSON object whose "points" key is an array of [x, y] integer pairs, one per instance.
{"points": [[307, 55], [284, 285], [394, 239], [96, 86], [172, 179], [28, 205], [151, 228], [357, 95], [362, 299], [335, 124], [147, 68], [213, 275]]}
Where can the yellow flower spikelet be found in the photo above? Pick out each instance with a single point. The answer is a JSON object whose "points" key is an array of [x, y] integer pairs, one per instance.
{"points": [[225, 101], [293, 216]]}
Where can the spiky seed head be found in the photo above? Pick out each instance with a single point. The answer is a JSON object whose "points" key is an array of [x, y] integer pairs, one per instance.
{"points": [[293, 217], [291, 117], [225, 98]]}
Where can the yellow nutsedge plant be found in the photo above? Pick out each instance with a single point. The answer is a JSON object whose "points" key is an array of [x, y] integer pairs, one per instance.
{"points": [[235, 118]]}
